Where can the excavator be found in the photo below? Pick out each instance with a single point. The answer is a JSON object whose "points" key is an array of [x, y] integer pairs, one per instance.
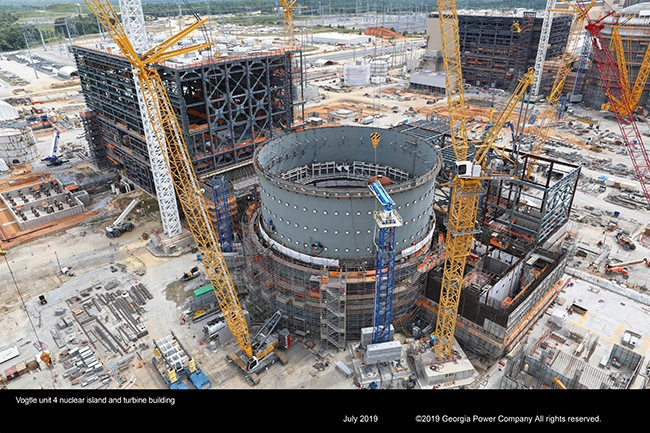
{"points": [[621, 268]]}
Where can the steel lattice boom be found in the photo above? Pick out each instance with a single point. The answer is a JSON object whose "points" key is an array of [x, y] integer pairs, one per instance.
{"points": [[618, 96], [549, 114], [134, 28], [170, 138], [467, 185], [387, 220]]}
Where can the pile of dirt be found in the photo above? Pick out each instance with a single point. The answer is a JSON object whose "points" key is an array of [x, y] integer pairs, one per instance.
{"points": [[382, 33]]}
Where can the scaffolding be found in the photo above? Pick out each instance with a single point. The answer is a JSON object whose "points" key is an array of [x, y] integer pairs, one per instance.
{"points": [[328, 305], [222, 212]]}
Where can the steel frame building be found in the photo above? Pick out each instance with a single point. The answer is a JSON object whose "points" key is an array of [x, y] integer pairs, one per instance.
{"points": [[496, 50], [517, 263], [227, 106]]}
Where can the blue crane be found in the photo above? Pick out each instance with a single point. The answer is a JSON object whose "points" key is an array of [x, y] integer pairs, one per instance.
{"points": [[387, 221], [53, 159]]}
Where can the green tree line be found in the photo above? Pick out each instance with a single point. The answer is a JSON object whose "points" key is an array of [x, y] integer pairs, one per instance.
{"points": [[12, 39]]}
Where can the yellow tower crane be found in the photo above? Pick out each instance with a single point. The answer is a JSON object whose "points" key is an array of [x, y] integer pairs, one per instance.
{"points": [[288, 7], [548, 115], [170, 138], [467, 181]]}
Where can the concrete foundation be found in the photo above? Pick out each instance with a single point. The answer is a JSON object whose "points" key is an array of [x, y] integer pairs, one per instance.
{"points": [[454, 373], [160, 245], [43, 203]]}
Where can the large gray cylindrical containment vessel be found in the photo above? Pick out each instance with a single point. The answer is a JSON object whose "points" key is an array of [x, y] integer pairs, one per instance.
{"points": [[314, 193]]}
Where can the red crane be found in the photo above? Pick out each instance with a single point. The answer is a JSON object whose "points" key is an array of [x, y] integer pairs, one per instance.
{"points": [[611, 79]]}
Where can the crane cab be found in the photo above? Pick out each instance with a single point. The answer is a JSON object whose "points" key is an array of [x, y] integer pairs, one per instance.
{"points": [[466, 169]]}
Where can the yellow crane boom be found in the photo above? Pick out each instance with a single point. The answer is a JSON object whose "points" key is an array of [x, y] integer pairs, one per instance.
{"points": [[633, 94], [170, 138], [288, 6], [549, 113], [467, 181], [461, 223]]}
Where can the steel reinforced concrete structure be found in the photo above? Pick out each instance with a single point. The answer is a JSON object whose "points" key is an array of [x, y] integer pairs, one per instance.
{"points": [[494, 55], [226, 107], [310, 244]]}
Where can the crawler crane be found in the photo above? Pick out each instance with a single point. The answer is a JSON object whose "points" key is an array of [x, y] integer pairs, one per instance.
{"points": [[254, 352], [620, 97]]}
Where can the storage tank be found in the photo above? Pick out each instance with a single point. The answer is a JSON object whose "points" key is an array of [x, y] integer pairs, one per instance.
{"points": [[378, 68], [18, 145]]}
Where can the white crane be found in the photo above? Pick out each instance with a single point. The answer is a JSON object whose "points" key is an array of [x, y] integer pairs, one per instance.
{"points": [[118, 227], [133, 24]]}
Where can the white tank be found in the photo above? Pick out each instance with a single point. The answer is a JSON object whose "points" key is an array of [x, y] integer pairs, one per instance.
{"points": [[378, 68], [18, 146]]}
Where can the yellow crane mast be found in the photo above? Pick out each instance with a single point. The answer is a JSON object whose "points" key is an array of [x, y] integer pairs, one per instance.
{"points": [[170, 138], [467, 181], [548, 115], [633, 94], [463, 208], [288, 7]]}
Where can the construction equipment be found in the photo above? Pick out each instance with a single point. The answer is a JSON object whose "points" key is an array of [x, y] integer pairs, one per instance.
{"points": [[387, 220], [559, 383], [54, 160], [169, 135], [621, 268], [548, 116], [288, 6], [263, 346], [625, 242], [193, 273], [118, 227], [633, 94], [467, 181], [172, 360], [618, 96], [596, 147], [542, 46]]}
